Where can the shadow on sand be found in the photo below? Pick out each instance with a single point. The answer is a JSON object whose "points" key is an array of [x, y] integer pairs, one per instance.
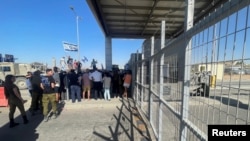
{"points": [[230, 102], [23, 132], [125, 127]]}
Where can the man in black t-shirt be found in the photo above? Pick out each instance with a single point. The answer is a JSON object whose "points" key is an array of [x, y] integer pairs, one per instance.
{"points": [[36, 100], [74, 84], [49, 95]]}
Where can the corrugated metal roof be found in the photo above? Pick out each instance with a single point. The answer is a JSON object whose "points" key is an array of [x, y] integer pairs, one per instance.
{"points": [[142, 18]]}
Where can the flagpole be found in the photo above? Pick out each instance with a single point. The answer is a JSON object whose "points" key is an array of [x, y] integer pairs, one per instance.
{"points": [[77, 32], [78, 42]]}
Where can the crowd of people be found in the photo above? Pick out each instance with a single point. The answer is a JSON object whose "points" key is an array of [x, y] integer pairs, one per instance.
{"points": [[58, 85], [95, 84]]}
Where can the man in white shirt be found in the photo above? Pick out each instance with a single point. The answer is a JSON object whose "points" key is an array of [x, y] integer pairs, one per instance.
{"points": [[96, 78], [63, 63]]}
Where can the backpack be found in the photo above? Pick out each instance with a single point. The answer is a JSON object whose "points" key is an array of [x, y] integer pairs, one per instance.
{"points": [[46, 84], [57, 79]]}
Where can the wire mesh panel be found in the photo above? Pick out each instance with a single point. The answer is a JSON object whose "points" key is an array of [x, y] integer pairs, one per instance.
{"points": [[171, 125], [145, 87], [219, 84], [138, 84], [156, 76], [145, 103], [155, 114], [219, 76], [217, 65]]}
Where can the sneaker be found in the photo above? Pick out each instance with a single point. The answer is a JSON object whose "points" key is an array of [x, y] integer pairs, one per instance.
{"points": [[54, 116], [46, 118]]}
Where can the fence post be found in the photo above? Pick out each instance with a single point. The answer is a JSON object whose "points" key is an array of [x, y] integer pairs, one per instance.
{"points": [[163, 23], [151, 72], [137, 88], [189, 16]]}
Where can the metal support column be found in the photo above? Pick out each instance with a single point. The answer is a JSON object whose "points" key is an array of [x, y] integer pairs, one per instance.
{"points": [[189, 16], [108, 53]]}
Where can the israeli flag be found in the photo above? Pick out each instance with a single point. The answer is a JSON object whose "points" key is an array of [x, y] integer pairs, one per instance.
{"points": [[85, 59], [70, 47]]}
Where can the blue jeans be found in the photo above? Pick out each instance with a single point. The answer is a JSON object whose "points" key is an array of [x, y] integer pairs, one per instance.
{"points": [[75, 92], [106, 93]]}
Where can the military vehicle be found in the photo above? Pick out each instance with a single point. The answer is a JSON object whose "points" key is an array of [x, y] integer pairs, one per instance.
{"points": [[18, 69]]}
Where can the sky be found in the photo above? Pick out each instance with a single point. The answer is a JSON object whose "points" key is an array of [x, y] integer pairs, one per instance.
{"points": [[33, 31]]}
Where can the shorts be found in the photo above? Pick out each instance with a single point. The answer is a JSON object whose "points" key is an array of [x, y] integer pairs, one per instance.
{"points": [[57, 90], [126, 85], [86, 88]]}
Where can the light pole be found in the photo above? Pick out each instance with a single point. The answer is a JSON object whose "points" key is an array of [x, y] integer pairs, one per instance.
{"points": [[77, 32]]}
